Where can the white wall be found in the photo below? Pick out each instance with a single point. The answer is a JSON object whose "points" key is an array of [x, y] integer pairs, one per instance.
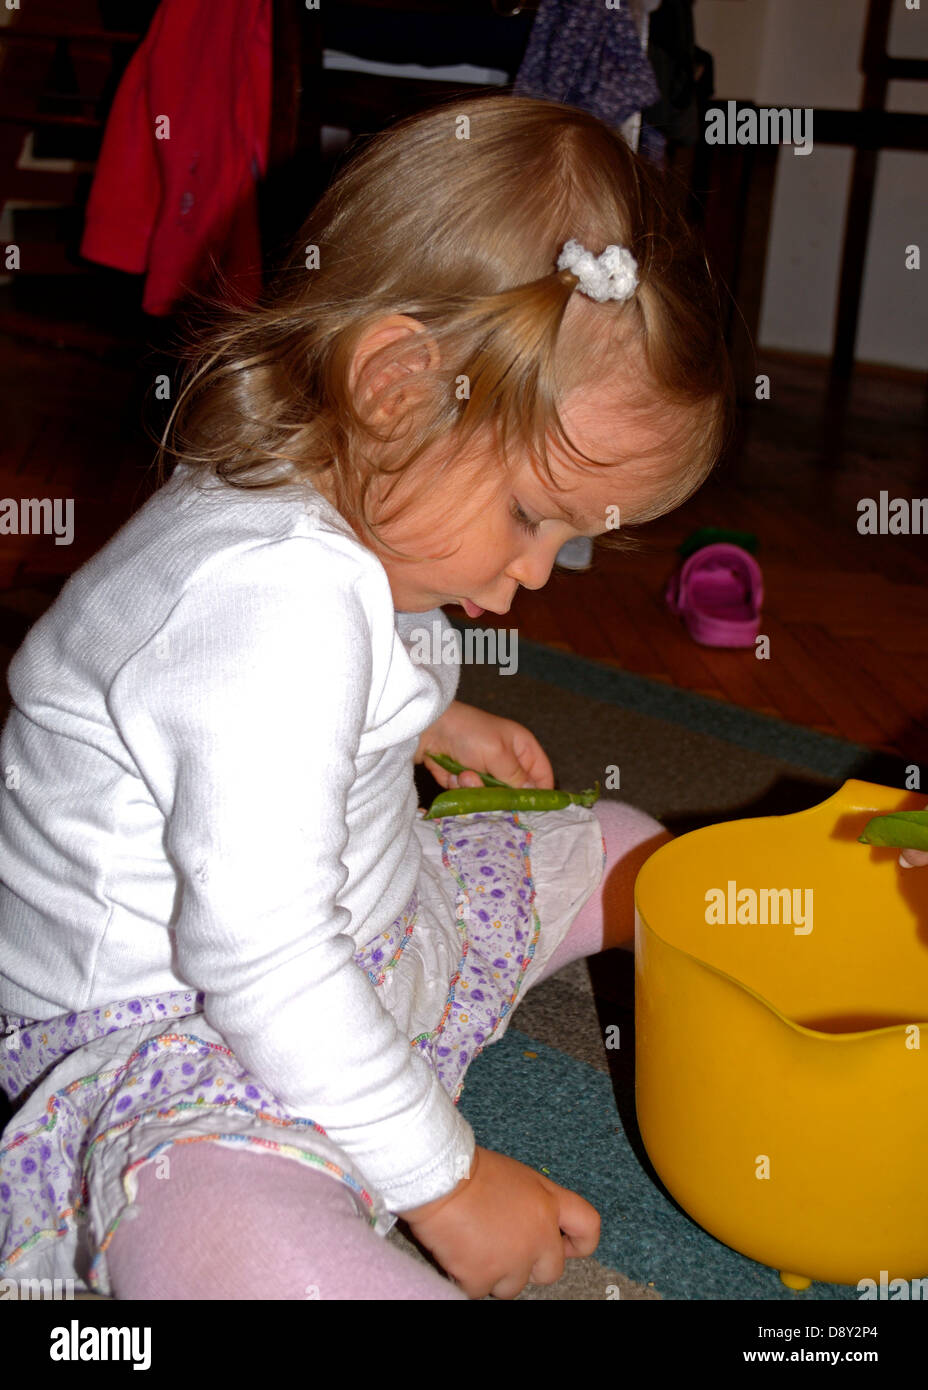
{"points": [[806, 53]]}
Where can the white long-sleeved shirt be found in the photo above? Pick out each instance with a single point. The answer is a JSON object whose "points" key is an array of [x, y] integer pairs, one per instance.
{"points": [[212, 731]]}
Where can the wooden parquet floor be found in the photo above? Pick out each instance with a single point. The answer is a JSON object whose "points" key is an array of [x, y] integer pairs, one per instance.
{"points": [[846, 614]]}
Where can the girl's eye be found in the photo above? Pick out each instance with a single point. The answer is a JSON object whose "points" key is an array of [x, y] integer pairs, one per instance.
{"points": [[532, 527]]}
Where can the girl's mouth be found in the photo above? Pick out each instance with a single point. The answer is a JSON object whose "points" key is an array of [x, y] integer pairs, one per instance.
{"points": [[471, 609]]}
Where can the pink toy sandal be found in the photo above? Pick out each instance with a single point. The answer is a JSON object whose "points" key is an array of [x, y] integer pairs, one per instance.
{"points": [[718, 592]]}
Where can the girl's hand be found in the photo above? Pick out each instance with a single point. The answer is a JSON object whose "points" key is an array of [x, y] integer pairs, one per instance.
{"points": [[504, 1227], [488, 743], [913, 858]]}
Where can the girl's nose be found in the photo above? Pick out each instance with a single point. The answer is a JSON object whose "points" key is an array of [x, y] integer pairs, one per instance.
{"points": [[532, 571]]}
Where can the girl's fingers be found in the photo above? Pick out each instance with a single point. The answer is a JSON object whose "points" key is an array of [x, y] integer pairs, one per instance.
{"points": [[442, 776], [464, 779]]}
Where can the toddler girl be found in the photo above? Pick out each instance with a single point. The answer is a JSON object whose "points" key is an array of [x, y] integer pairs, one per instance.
{"points": [[242, 978]]}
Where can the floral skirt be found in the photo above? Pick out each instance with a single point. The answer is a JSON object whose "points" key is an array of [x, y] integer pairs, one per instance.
{"points": [[100, 1093]]}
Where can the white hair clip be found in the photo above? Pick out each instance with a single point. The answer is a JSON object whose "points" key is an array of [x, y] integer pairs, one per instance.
{"points": [[611, 275]]}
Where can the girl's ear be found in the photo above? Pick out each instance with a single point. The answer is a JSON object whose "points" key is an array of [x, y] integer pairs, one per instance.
{"points": [[394, 352]]}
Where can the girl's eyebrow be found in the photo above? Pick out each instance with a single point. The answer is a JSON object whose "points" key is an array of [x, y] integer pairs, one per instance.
{"points": [[568, 514]]}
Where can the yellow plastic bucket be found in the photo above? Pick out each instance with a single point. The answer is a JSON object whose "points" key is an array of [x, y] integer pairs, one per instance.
{"points": [[782, 1064]]}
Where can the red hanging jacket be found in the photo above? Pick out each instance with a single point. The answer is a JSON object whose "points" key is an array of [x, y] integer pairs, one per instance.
{"points": [[165, 205]]}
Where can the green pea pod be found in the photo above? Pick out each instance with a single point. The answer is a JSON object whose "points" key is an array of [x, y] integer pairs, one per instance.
{"points": [[899, 830], [462, 801], [450, 765]]}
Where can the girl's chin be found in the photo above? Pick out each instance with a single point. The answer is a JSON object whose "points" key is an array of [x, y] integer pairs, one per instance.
{"points": [[411, 603]]}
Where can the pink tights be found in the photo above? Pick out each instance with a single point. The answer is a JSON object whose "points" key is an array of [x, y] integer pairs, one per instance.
{"points": [[214, 1232]]}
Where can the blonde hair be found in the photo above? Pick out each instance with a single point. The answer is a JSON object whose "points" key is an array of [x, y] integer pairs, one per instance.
{"points": [[455, 218]]}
